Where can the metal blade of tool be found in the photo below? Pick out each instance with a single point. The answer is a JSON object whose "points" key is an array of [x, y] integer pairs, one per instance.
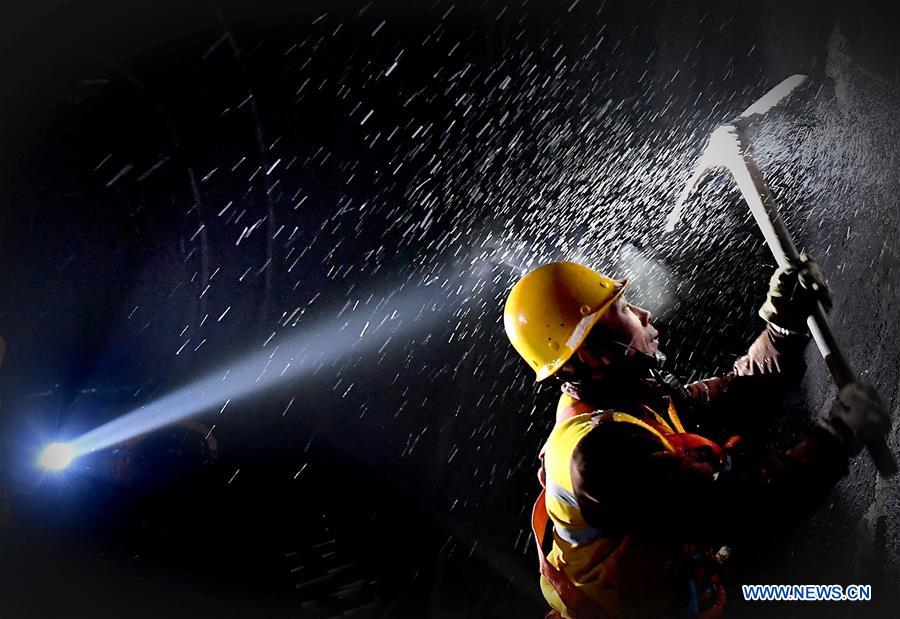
{"points": [[707, 162]]}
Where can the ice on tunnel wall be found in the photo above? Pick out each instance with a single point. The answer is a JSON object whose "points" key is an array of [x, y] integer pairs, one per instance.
{"points": [[851, 186]]}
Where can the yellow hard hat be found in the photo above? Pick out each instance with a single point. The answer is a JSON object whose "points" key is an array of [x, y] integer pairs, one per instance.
{"points": [[551, 310]]}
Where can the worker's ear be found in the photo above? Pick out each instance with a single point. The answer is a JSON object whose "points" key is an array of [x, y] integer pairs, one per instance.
{"points": [[594, 358]]}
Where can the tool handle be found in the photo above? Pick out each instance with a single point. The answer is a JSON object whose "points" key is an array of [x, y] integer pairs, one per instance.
{"points": [[762, 205]]}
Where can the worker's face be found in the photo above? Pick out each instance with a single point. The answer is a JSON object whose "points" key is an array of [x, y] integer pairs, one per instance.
{"points": [[630, 324], [627, 324]]}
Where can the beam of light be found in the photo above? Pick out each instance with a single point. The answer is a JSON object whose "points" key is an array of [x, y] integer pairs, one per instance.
{"points": [[284, 357], [56, 456]]}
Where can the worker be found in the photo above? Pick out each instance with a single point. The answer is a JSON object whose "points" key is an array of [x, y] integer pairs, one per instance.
{"points": [[643, 490]]}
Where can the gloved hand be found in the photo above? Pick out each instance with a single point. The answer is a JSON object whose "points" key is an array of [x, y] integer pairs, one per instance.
{"points": [[857, 416], [793, 292]]}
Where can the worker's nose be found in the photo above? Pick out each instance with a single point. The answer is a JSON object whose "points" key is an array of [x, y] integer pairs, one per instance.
{"points": [[644, 315]]}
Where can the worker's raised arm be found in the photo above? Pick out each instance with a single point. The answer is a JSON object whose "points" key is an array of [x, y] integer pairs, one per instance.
{"points": [[774, 361], [793, 293]]}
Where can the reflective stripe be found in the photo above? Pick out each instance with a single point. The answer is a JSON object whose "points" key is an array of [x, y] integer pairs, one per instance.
{"points": [[571, 534], [561, 494], [579, 333], [577, 535]]}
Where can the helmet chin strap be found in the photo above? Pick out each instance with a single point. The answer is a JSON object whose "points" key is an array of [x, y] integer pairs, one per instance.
{"points": [[636, 359], [630, 363], [640, 365], [652, 365]]}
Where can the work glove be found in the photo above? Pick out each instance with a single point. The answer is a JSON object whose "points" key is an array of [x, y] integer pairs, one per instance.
{"points": [[857, 417], [793, 292]]}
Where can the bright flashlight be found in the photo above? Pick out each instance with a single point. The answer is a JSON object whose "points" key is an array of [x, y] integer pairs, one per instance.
{"points": [[56, 456]]}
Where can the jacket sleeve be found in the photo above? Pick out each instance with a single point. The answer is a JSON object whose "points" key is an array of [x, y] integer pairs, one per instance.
{"points": [[758, 381], [623, 481]]}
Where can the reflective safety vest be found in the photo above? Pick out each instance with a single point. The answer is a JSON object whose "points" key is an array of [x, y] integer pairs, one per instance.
{"points": [[596, 574]]}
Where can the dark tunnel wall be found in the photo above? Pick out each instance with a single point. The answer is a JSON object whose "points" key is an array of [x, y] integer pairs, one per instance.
{"points": [[432, 148]]}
